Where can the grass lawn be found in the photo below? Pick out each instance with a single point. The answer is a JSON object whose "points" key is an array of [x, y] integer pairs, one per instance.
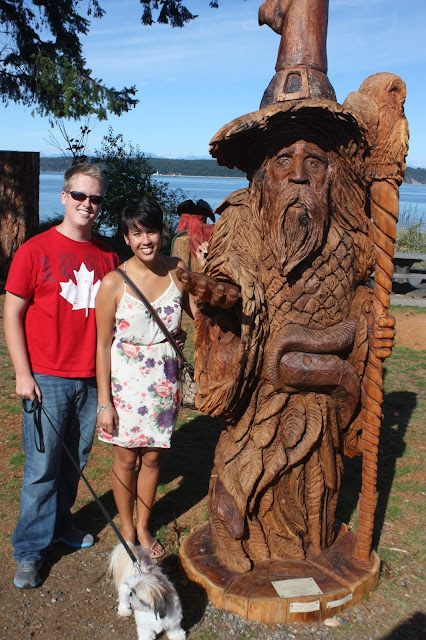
{"points": [[182, 494]]}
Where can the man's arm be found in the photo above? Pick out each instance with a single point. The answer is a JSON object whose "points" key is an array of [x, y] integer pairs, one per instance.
{"points": [[14, 308]]}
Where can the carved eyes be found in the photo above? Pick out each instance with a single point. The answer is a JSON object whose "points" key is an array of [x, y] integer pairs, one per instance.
{"points": [[315, 164], [310, 163], [284, 161]]}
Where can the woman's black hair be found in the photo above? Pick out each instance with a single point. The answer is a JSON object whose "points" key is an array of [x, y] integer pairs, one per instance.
{"points": [[145, 212]]}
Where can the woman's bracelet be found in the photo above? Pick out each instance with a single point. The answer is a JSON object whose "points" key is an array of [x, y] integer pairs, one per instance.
{"points": [[103, 407]]}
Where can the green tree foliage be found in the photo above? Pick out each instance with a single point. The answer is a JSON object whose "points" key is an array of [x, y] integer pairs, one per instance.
{"points": [[55, 164], [41, 58], [42, 65], [198, 167], [171, 12], [129, 179], [163, 166], [415, 175]]}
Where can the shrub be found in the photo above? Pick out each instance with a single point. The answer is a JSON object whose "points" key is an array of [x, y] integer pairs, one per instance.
{"points": [[410, 235], [130, 178]]}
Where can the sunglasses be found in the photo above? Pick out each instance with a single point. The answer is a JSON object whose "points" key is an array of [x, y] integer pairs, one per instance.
{"points": [[81, 197]]}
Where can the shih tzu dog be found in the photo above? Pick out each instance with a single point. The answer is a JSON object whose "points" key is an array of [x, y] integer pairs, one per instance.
{"points": [[148, 592]]}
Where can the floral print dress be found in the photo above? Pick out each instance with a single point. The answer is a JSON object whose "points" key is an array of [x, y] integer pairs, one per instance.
{"points": [[144, 371]]}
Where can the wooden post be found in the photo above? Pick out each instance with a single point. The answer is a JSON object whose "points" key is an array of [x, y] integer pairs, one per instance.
{"points": [[19, 207]]}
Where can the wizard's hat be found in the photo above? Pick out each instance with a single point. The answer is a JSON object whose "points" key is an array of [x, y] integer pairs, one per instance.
{"points": [[299, 102]]}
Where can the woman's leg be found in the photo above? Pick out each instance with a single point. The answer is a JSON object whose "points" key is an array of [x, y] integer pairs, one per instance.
{"points": [[124, 488], [147, 486]]}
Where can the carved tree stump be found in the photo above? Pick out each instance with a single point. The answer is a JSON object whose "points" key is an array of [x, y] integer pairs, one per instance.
{"points": [[19, 207]]}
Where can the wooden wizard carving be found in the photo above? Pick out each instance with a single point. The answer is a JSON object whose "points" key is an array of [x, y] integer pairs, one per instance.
{"points": [[289, 339]]}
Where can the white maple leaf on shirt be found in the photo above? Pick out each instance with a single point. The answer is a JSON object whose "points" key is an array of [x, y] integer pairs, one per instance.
{"points": [[81, 295]]}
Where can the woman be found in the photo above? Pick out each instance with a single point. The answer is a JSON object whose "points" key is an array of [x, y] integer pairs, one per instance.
{"points": [[136, 367]]}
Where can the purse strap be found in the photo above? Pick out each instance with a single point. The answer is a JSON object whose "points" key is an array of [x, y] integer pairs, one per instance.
{"points": [[187, 365]]}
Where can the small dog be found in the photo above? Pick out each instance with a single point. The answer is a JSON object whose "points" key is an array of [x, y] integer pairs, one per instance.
{"points": [[149, 593]]}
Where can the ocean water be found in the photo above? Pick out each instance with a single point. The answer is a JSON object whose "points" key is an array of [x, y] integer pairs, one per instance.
{"points": [[412, 205], [412, 197], [213, 190]]}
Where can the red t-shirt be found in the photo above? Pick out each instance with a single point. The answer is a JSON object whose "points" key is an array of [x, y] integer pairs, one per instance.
{"points": [[60, 277]]}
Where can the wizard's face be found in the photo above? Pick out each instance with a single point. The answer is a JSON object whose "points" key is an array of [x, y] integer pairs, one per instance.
{"points": [[302, 163], [296, 207]]}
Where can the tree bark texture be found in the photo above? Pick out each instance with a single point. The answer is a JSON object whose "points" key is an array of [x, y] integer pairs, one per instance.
{"points": [[19, 202]]}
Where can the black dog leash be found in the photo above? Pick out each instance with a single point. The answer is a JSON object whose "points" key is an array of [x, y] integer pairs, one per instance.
{"points": [[37, 408]]}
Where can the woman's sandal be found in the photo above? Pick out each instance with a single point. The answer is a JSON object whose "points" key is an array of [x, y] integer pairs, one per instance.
{"points": [[155, 555]]}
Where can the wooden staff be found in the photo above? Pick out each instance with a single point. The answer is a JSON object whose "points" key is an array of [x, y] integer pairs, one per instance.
{"points": [[389, 132], [385, 211]]}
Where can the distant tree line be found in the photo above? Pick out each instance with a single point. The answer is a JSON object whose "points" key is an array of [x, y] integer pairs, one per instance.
{"points": [[178, 166], [59, 165], [165, 166], [415, 175], [168, 166]]}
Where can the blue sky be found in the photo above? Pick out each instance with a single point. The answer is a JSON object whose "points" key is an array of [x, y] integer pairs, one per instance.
{"points": [[194, 80]]}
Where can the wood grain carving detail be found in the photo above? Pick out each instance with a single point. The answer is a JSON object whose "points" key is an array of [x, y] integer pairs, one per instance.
{"points": [[294, 362]]}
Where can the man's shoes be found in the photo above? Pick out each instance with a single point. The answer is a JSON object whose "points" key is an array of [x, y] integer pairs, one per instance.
{"points": [[26, 575], [76, 539]]}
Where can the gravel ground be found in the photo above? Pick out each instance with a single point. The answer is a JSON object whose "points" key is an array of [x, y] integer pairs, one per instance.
{"points": [[76, 601]]}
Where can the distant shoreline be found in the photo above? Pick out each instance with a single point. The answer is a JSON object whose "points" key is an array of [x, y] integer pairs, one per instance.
{"points": [[190, 175], [176, 175], [413, 183]]}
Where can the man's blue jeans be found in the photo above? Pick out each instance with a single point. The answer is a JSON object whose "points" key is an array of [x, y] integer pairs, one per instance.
{"points": [[50, 481]]}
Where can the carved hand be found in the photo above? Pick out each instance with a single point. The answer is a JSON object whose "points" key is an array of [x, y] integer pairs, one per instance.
{"points": [[218, 294], [383, 336]]}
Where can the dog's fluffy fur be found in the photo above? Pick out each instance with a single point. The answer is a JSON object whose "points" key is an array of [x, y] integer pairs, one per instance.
{"points": [[149, 593]]}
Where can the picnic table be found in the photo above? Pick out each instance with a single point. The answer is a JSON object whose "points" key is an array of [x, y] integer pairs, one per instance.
{"points": [[403, 272]]}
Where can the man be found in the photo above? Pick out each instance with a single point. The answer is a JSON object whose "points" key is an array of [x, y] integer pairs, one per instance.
{"points": [[50, 330]]}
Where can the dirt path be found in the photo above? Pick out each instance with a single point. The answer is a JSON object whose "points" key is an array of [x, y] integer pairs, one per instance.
{"points": [[410, 329]]}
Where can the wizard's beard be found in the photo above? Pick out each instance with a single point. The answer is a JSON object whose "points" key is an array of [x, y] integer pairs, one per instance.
{"points": [[297, 217]]}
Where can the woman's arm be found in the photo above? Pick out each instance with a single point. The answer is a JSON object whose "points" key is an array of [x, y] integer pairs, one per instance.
{"points": [[14, 309], [105, 308]]}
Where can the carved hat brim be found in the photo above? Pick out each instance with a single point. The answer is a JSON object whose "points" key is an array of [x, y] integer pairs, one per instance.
{"points": [[247, 140]]}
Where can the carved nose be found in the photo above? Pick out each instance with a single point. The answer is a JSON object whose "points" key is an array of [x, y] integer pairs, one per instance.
{"points": [[297, 172]]}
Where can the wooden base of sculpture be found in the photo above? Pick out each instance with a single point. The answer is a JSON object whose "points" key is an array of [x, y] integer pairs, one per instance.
{"points": [[253, 596]]}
